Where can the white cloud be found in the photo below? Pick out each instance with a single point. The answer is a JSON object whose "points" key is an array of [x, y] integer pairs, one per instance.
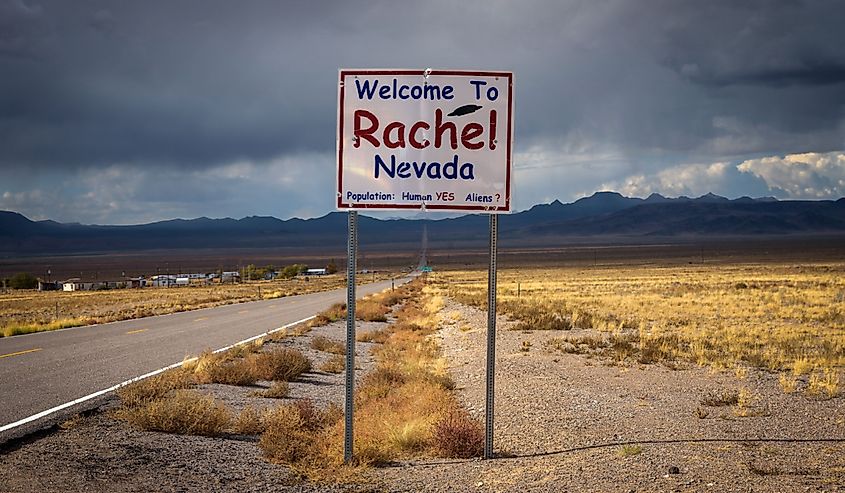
{"points": [[683, 179], [810, 175]]}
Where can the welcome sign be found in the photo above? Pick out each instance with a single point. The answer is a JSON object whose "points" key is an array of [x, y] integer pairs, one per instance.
{"points": [[434, 139]]}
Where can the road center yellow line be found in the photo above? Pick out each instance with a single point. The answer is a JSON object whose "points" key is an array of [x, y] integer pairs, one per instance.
{"points": [[243, 311], [135, 331], [20, 352], [201, 319]]}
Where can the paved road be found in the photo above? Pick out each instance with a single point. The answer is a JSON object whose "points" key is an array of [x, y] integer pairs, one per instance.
{"points": [[43, 370]]}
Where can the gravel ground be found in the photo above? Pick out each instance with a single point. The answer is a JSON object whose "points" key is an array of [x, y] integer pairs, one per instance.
{"points": [[563, 423]]}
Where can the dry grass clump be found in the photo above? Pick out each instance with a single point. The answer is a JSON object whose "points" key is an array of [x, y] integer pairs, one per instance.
{"points": [[323, 343], [390, 298], [242, 350], [617, 346], [458, 435], [376, 307], [13, 329], [277, 390], [293, 434], [279, 364], [245, 366], [332, 314], [162, 403], [788, 382], [335, 364], [377, 336], [185, 412], [823, 384], [370, 310], [224, 368], [630, 450], [248, 422], [538, 314], [154, 388]]}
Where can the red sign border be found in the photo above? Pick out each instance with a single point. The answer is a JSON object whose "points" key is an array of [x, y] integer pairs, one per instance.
{"points": [[467, 208]]}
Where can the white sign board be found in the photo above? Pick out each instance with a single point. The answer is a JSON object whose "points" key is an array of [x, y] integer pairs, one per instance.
{"points": [[413, 139]]}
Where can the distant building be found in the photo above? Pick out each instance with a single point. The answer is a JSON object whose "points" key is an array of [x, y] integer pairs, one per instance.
{"points": [[49, 285], [316, 272], [136, 282], [73, 284], [230, 276], [163, 280]]}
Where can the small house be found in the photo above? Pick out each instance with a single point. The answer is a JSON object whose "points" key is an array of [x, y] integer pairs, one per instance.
{"points": [[163, 280], [49, 285], [230, 276], [74, 284], [136, 282]]}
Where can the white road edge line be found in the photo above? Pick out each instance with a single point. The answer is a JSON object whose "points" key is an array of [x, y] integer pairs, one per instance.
{"points": [[88, 397]]}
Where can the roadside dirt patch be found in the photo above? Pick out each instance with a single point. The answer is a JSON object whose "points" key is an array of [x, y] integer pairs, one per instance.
{"points": [[566, 422]]}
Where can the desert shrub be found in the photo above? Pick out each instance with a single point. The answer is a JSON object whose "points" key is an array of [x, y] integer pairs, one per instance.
{"points": [[153, 388], [279, 364], [242, 350], [277, 390], [335, 364], [370, 310], [537, 315], [234, 372], [184, 412], [291, 431], [379, 382], [248, 422], [323, 343], [458, 435], [378, 336], [332, 314]]}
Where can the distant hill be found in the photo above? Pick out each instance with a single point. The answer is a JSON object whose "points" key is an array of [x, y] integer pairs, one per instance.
{"points": [[603, 214]]}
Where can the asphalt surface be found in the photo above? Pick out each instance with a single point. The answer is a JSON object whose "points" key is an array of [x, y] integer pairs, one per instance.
{"points": [[46, 369]]}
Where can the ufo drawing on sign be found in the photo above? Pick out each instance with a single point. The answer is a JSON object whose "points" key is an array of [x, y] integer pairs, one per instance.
{"points": [[465, 110]]}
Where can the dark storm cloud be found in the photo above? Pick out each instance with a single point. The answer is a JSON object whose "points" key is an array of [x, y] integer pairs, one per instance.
{"points": [[604, 90]]}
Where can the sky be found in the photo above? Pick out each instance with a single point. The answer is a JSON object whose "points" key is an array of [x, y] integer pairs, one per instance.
{"points": [[119, 112]]}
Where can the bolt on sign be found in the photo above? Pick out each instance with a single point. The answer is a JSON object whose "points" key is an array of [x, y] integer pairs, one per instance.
{"points": [[425, 139]]}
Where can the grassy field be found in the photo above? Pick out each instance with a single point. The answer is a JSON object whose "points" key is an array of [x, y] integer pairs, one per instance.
{"points": [[23, 312], [783, 318]]}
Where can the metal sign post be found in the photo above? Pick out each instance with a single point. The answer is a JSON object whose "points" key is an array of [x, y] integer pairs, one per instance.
{"points": [[351, 264], [491, 338]]}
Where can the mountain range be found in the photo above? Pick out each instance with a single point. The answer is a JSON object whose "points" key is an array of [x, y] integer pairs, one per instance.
{"points": [[601, 216]]}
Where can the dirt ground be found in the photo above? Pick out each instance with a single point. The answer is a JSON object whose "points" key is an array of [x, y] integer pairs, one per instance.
{"points": [[563, 422]]}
